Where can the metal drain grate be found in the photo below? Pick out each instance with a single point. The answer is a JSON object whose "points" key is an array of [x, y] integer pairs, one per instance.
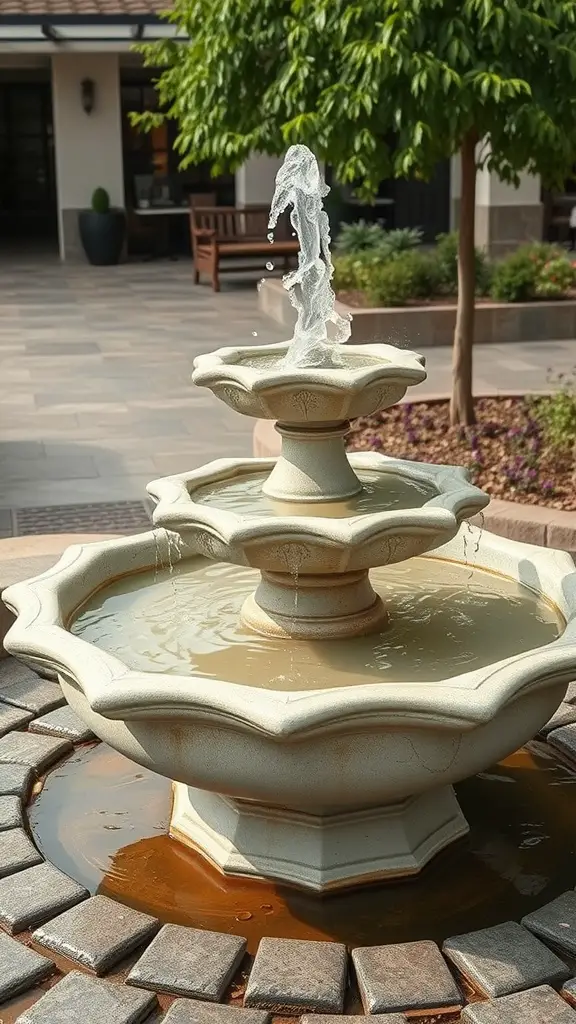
{"points": [[101, 517]]}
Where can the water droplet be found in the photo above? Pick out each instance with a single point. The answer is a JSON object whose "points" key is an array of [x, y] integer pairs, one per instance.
{"points": [[269, 265], [267, 908], [244, 915], [270, 236], [254, 334]]}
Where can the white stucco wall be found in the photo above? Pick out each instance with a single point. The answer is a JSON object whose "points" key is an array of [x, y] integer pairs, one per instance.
{"points": [[490, 191], [88, 147], [255, 180]]}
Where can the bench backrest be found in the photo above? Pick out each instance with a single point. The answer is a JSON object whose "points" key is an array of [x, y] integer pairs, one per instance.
{"points": [[248, 223]]}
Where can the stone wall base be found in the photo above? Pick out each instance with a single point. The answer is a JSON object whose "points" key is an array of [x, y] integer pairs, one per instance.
{"points": [[501, 229], [422, 326]]}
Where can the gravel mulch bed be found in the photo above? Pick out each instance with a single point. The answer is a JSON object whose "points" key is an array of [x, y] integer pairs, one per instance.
{"points": [[505, 451]]}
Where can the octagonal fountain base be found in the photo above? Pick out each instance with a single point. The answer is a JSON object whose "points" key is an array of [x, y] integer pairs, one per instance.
{"points": [[315, 852]]}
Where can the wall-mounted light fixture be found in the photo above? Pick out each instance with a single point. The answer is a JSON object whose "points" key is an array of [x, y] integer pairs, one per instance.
{"points": [[88, 95]]}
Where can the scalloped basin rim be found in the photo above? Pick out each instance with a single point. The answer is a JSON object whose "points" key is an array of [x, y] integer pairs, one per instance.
{"points": [[225, 365], [455, 496], [45, 603]]}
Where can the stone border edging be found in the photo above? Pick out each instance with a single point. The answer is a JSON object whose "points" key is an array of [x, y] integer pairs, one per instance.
{"points": [[496, 323], [531, 524]]}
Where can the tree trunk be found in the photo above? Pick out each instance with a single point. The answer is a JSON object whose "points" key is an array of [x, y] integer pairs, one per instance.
{"points": [[462, 403]]}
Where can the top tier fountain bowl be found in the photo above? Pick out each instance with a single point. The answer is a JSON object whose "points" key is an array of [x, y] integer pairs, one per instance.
{"points": [[314, 648]]}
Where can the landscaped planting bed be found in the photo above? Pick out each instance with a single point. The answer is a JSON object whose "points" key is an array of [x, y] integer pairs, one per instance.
{"points": [[519, 449]]}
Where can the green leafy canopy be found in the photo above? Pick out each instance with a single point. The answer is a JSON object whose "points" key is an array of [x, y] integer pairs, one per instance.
{"points": [[374, 87]]}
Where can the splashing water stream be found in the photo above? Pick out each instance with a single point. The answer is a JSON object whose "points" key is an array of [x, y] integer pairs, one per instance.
{"points": [[319, 328]]}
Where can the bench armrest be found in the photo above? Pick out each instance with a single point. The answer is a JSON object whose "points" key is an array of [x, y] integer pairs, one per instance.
{"points": [[208, 233]]}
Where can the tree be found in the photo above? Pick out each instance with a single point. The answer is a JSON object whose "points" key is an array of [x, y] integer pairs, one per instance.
{"points": [[493, 80]]}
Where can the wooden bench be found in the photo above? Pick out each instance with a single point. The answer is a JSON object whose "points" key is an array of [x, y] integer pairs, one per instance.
{"points": [[229, 231]]}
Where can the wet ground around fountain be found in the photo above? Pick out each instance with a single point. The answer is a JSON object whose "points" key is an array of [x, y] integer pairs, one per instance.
{"points": [[104, 820], [444, 619], [380, 492]]}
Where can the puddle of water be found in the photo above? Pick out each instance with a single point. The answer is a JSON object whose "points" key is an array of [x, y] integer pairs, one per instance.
{"points": [[518, 856]]}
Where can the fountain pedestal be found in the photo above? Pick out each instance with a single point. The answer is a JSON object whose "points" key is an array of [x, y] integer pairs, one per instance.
{"points": [[319, 852], [314, 607], [312, 465]]}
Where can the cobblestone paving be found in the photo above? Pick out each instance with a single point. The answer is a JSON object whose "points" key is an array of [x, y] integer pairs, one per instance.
{"points": [[50, 927], [95, 393]]}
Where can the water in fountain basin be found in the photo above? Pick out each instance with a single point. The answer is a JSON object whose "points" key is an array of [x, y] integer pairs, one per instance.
{"points": [[444, 619], [381, 492]]}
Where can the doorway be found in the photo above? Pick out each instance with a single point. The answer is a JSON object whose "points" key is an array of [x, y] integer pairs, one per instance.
{"points": [[28, 206]]}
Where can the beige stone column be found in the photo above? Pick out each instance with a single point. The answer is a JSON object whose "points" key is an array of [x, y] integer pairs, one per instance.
{"points": [[88, 147], [505, 216]]}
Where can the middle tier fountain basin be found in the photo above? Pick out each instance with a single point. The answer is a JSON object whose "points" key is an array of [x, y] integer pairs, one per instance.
{"points": [[323, 764]]}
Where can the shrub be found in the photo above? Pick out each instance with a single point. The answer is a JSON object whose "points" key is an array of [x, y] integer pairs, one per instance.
{"points": [[535, 270], [350, 269], [100, 200], [514, 278], [400, 240], [427, 275], [556, 414], [541, 252], [358, 237], [446, 253], [392, 282], [555, 278]]}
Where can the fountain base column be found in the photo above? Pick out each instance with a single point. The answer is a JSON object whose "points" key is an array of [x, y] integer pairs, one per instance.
{"points": [[314, 607], [313, 465], [316, 852]]}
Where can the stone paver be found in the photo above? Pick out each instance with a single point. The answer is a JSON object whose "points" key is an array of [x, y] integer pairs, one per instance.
{"points": [[187, 1011], [13, 718], [16, 779], [63, 722], [539, 1006], [189, 962], [564, 741], [406, 976], [564, 715], [97, 934], [555, 923], [97, 399], [10, 813], [570, 695], [36, 895], [375, 1018], [17, 852], [294, 975], [22, 688], [568, 991], [504, 959], [20, 968], [80, 999], [38, 752]]}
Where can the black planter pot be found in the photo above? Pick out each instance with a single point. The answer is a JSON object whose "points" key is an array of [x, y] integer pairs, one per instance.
{"points": [[102, 235]]}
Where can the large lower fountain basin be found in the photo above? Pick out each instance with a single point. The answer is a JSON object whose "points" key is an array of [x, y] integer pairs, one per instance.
{"points": [[321, 787]]}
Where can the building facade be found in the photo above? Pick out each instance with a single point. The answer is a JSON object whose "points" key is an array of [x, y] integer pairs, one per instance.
{"points": [[68, 82]]}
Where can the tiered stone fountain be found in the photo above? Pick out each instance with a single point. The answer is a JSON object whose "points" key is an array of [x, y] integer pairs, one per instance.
{"points": [[332, 645]]}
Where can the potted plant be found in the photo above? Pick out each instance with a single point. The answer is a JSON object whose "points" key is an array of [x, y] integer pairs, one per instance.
{"points": [[102, 230]]}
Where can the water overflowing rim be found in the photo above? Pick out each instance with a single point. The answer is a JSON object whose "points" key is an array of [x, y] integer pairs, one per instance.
{"points": [[462, 702], [455, 499], [223, 366]]}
